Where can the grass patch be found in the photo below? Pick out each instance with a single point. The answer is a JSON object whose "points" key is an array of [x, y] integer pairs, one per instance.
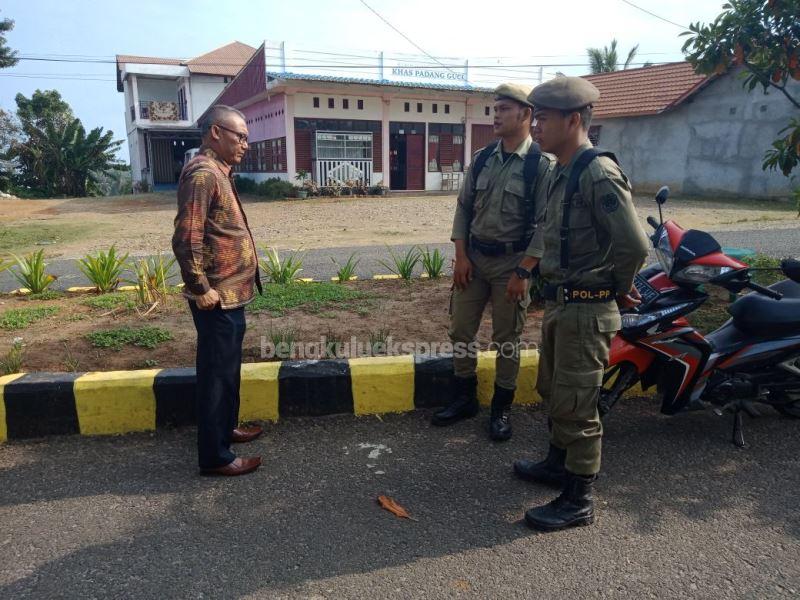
{"points": [[45, 295], [19, 318], [111, 301], [762, 261], [144, 337], [27, 237], [313, 297]]}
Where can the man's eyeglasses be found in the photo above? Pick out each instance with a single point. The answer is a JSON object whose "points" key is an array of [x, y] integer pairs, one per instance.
{"points": [[241, 137]]}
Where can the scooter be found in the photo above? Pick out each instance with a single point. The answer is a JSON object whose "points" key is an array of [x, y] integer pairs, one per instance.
{"points": [[754, 358]]}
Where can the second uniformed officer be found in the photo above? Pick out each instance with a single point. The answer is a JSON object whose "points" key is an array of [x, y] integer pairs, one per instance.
{"points": [[591, 246], [492, 231]]}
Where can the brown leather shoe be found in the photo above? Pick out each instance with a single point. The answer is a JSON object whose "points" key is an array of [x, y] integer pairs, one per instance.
{"points": [[246, 434], [239, 466]]}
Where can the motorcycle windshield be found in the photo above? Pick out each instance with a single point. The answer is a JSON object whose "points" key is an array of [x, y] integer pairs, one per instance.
{"points": [[693, 245]]}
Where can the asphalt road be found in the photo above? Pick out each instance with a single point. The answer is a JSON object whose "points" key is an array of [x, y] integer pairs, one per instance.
{"points": [[317, 263], [681, 514]]}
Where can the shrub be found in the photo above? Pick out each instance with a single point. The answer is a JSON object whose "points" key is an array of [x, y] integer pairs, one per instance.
{"points": [[275, 188], [19, 318], [145, 337], [152, 276], [30, 272], [432, 262], [104, 270], [12, 362], [245, 185], [280, 271], [403, 265], [771, 272], [346, 271]]}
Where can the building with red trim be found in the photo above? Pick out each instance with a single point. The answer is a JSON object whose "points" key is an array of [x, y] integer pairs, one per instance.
{"points": [[404, 127]]}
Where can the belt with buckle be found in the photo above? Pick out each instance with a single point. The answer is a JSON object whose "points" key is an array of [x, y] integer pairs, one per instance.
{"points": [[569, 294], [498, 248]]}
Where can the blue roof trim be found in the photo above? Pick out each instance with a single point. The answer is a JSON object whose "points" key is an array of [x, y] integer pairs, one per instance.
{"points": [[357, 80]]}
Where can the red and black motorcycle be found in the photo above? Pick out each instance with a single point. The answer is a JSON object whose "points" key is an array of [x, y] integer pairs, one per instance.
{"points": [[753, 358]]}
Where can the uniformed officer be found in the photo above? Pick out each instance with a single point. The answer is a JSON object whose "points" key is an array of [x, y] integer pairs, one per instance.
{"points": [[492, 231], [591, 246]]}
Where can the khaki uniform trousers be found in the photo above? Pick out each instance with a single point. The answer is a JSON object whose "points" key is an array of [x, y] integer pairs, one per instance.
{"points": [[490, 277], [576, 339]]}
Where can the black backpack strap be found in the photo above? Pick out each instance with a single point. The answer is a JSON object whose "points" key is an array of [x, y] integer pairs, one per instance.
{"points": [[477, 167], [586, 157], [530, 174]]}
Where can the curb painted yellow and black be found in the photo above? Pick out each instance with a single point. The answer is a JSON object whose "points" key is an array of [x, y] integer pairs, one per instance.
{"points": [[114, 402]]}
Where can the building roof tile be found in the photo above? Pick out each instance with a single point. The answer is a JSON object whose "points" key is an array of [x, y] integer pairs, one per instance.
{"points": [[645, 91]]}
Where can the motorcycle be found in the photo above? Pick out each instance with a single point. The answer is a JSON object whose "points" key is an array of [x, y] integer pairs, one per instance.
{"points": [[753, 358]]}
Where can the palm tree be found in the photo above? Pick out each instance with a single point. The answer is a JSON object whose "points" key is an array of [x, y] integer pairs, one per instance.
{"points": [[605, 60]]}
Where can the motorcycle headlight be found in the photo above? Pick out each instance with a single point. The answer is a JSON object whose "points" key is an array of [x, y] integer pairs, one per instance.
{"points": [[638, 320], [664, 253], [700, 273]]}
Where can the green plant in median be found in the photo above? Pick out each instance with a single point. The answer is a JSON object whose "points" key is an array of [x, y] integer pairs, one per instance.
{"points": [[30, 272], [403, 265], [283, 341], [45, 295], [104, 270], [346, 271], [12, 362], [277, 270], [71, 363], [19, 318], [378, 340], [432, 262], [153, 274], [313, 297], [111, 301], [334, 345], [145, 337]]}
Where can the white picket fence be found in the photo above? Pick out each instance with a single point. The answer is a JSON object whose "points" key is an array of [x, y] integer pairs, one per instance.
{"points": [[328, 172]]}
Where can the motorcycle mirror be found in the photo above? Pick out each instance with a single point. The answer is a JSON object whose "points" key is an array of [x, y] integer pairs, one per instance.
{"points": [[662, 195], [791, 268]]}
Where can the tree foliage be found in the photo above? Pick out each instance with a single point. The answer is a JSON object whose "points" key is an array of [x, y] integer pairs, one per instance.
{"points": [[606, 59], [763, 39], [55, 155], [8, 57]]}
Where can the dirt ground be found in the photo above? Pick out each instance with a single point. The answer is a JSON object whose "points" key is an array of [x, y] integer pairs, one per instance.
{"points": [[409, 312], [69, 228]]}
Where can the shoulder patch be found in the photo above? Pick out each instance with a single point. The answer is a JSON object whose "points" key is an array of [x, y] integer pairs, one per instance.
{"points": [[610, 202]]}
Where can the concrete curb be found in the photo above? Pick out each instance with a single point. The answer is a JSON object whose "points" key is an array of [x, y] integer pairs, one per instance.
{"points": [[115, 402]]}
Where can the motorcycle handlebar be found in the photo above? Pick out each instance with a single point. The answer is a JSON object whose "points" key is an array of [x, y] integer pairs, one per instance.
{"points": [[653, 223], [765, 291]]}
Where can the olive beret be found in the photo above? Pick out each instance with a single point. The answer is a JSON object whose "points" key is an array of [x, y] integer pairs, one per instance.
{"points": [[514, 91], [564, 93]]}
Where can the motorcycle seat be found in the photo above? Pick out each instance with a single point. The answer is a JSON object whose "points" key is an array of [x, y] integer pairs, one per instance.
{"points": [[756, 314]]}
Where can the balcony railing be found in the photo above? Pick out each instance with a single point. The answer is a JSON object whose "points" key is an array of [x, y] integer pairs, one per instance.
{"points": [[162, 111]]}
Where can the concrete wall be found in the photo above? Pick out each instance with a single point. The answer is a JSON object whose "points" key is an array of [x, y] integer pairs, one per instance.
{"points": [[712, 145], [205, 89]]}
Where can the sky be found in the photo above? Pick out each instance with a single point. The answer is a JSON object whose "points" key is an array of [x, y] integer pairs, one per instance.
{"points": [[555, 33]]}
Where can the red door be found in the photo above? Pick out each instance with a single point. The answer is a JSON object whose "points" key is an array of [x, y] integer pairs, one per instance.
{"points": [[415, 161]]}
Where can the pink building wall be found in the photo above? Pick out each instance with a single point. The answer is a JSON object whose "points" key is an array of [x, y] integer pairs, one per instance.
{"points": [[266, 119]]}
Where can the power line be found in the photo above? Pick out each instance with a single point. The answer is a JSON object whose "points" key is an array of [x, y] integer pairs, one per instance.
{"points": [[652, 14], [408, 39]]}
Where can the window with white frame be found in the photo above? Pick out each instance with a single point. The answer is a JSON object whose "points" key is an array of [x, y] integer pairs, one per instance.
{"points": [[340, 145]]}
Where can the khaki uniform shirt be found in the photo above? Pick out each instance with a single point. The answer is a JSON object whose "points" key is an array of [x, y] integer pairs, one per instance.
{"points": [[607, 246], [500, 211]]}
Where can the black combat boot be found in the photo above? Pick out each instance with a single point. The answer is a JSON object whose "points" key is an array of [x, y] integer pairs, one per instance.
{"points": [[500, 420], [464, 404], [550, 471], [573, 507]]}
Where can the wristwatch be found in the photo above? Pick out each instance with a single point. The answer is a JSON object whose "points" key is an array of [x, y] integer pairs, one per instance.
{"points": [[522, 273]]}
